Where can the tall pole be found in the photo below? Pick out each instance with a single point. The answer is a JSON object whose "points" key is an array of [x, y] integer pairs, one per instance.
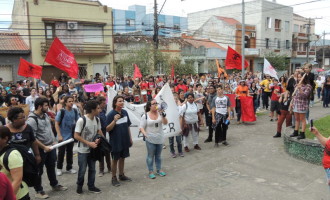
{"points": [[155, 37], [323, 57], [308, 38], [243, 37]]}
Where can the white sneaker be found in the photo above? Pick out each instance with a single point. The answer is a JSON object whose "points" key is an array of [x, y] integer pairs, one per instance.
{"points": [[58, 172], [71, 171]]}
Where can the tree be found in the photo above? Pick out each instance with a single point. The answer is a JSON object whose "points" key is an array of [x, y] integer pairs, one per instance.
{"points": [[278, 61]]}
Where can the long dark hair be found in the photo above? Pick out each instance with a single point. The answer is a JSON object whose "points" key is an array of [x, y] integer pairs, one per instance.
{"points": [[148, 105], [115, 101], [305, 80]]}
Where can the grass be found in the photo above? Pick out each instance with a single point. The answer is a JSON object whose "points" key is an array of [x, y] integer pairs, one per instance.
{"points": [[261, 114], [322, 125]]}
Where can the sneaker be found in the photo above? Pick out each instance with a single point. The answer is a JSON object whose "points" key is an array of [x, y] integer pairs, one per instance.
{"points": [[181, 154], [59, 188], [186, 149], [197, 147], [101, 174], [59, 172], [161, 174], [164, 146], [208, 140], [71, 171], [216, 145], [271, 120], [94, 190], [79, 190], [124, 178], [152, 176], [173, 155], [225, 143], [115, 182], [41, 195]]}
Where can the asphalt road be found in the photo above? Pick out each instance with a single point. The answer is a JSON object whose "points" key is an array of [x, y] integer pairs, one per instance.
{"points": [[253, 166]]}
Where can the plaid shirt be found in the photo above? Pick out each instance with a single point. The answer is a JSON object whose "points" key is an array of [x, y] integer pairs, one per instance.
{"points": [[301, 98]]}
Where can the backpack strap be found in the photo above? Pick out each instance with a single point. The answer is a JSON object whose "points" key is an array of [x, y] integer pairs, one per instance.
{"points": [[35, 119], [8, 150], [62, 111], [75, 114]]}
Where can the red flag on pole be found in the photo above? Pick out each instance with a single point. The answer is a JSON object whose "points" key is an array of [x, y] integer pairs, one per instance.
{"points": [[27, 69], [247, 109], [172, 71], [234, 60], [137, 73], [61, 57]]}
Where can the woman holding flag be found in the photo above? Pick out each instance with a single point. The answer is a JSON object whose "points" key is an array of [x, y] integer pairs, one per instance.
{"points": [[242, 90]]}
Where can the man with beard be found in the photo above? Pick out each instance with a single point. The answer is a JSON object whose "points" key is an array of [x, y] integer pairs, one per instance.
{"points": [[208, 113], [40, 123]]}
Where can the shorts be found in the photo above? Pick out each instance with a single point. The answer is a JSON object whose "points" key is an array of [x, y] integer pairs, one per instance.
{"points": [[295, 110], [274, 106], [122, 154]]}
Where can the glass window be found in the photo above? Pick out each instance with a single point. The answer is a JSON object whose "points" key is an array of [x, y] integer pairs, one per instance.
{"points": [[287, 25], [267, 43], [268, 22], [93, 33], [50, 31], [287, 44], [296, 28]]}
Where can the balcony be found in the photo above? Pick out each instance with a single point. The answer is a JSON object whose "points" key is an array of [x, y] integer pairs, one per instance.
{"points": [[302, 53], [82, 49], [251, 52]]}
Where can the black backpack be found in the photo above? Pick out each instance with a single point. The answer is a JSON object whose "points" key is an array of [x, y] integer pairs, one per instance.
{"points": [[84, 124], [30, 167]]}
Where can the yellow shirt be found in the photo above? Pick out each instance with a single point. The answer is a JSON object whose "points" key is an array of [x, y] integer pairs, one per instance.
{"points": [[266, 84], [15, 160]]}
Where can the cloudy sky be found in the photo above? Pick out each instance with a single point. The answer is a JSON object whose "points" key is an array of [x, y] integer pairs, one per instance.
{"points": [[306, 8]]}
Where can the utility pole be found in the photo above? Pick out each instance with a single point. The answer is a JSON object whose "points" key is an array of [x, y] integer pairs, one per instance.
{"points": [[323, 57], [155, 37], [243, 37], [308, 38]]}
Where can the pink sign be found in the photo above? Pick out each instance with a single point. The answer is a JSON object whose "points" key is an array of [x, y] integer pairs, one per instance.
{"points": [[94, 87]]}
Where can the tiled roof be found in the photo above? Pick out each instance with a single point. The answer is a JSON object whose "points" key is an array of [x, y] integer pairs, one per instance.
{"points": [[230, 21], [203, 42], [10, 41]]}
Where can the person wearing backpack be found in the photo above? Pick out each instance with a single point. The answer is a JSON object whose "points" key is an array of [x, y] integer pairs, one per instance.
{"points": [[14, 168], [86, 129], [41, 125], [65, 121]]}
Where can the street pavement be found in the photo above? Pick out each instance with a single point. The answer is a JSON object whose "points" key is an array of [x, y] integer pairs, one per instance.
{"points": [[253, 166]]}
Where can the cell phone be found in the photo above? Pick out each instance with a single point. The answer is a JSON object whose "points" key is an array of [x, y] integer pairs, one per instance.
{"points": [[156, 125], [312, 125]]}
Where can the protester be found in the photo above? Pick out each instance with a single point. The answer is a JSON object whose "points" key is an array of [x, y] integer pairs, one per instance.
{"points": [[220, 116], [86, 129], [15, 165], [41, 125], [284, 100], [66, 119], [211, 95], [13, 94], [7, 192], [103, 118], [242, 90], [266, 92], [31, 99], [151, 126], [319, 84], [326, 92], [300, 105], [190, 115], [178, 138], [118, 123], [274, 104]]}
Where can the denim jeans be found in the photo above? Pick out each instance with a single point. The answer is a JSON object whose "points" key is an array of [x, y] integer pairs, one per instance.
{"points": [[49, 160], [319, 92], [327, 171], [154, 153], [69, 156], [84, 160], [178, 141]]}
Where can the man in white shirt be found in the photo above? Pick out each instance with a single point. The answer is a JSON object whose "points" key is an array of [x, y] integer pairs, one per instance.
{"points": [[31, 99], [319, 84]]}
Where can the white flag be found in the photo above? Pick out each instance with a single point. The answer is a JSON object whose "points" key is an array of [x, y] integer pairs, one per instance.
{"points": [[269, 69]]}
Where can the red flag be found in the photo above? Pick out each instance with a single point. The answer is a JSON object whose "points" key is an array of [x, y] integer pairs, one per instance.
{"points": [[234, 60], [232, 99], [61, 57], [172, 71], [247, 109], [137, 73], [27, 69]]}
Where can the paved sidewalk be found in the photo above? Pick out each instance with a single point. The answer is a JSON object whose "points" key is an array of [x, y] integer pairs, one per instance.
{"points": [[253, 166]]}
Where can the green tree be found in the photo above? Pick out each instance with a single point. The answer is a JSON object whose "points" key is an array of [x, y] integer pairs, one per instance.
{"points": [[279, 61]]}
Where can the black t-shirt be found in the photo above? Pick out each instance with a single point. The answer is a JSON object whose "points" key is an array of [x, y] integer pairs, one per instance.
{"points": [[26, 92], [17, 96], [25, 137]]}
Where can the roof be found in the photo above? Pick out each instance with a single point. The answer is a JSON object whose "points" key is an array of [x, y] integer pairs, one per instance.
{"points": [[203, 42], [230, 21], [12, 42]]}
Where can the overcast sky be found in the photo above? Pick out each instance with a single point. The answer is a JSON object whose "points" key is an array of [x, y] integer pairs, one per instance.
{"points": [[319, 9]]}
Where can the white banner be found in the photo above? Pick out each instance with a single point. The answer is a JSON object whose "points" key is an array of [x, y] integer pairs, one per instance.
{"points": [[135, 111], [269, 69]]}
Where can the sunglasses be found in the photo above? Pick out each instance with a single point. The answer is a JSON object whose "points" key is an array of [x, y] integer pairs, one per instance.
{"points": [[154, 103]]}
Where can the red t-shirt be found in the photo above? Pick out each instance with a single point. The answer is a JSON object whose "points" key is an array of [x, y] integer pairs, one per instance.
{"points": [[6, 188], [181, 87], [277, 90], [55, 83], [326, 157], [144, 86], [112, 83]]}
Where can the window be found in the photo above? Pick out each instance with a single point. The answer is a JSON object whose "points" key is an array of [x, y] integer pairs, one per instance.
{"points": [[176, 26], [287, 44], [161, 24], [296, 28], [277, 25], [268, 22], [7, 73], [93, 33], [287, 26], [302, 28], [247, 42], [267, 43], [50, 31], [276, 43], [130, 22]]}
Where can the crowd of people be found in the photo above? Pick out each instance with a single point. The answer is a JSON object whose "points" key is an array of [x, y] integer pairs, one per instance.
{"points": [[62, 110]]}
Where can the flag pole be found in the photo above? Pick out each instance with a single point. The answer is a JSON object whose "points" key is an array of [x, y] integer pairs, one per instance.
{"points": [[243, 37]]}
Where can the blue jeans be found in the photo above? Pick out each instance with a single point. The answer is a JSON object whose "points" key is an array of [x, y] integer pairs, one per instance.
{"points": [[84, 160], [327, 171], [49, 160], [178, 141], [319, 92], [154, 153]]}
